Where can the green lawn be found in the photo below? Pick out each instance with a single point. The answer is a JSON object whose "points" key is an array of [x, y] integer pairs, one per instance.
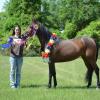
{"points": [[70, 76]]}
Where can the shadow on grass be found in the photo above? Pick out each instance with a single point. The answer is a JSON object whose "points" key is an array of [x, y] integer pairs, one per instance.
{"points": [[75, 87], [33, 86], [58, 87]]}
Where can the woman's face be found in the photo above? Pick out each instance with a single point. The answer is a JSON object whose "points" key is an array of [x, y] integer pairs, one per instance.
{"points": [[17, 30]]}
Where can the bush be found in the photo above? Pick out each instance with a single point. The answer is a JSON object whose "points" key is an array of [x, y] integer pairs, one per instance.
{"points": [[70, 30], [92, 29], [33, 47], [23, 21], [10, 22], [32, 52]]}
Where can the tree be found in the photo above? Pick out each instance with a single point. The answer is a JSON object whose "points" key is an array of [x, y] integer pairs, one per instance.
{"points": [[79, 12], [21, 11]]}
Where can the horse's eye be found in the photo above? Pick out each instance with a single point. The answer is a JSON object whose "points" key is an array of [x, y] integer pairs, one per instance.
{"points": [[36, 26], [31, 27]]}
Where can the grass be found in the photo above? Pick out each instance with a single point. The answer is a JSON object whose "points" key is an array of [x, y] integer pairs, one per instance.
{"points": [[70, 77]]}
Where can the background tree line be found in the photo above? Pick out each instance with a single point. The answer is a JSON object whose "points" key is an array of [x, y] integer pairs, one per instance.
{"points": [[74, 17]]}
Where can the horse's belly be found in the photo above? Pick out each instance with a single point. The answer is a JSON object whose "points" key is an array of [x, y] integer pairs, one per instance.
{"points": [[66, 56]]}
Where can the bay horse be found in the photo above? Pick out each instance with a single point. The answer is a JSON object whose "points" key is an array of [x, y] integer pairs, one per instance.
{"points": [[68, 50]]}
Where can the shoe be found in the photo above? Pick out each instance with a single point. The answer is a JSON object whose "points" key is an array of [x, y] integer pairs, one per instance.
{"points": [[13, 87]]}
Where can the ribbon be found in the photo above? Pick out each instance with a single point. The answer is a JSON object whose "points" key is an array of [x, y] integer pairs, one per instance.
{"points": [[7, 45]]}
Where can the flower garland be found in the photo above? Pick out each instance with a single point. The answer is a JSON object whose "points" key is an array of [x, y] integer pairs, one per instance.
{"points": [[45, 54]]}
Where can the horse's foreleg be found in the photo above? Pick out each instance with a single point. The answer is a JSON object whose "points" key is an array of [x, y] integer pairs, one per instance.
{"points": [[50, 79], [54, 76], [52, 73]]}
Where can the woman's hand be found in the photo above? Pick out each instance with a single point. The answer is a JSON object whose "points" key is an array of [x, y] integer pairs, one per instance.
{"points": [[19, 42]]}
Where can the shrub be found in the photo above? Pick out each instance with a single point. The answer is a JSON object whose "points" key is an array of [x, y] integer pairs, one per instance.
{"points": [[33, 47], [92, 29], [70, 30]]}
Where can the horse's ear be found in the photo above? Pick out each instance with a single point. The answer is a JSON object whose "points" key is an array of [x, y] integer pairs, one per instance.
{"points": [[34, 20]]}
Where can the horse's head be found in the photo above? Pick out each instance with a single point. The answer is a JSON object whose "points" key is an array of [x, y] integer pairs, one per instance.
{"points": [[36, 30], [33, 28]]}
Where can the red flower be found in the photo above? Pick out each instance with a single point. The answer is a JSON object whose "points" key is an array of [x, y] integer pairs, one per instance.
{"points": [[49, 44], [54, 35], [45, 55]]}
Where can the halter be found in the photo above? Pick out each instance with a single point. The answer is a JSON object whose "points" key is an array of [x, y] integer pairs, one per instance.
{"points": [[34, 28]]}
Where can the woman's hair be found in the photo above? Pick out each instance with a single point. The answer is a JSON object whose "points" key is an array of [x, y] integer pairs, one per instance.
{"points": [[13, 31]]}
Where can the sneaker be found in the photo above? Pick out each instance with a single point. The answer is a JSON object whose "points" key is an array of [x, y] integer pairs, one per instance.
{"points": [[13, 87]]}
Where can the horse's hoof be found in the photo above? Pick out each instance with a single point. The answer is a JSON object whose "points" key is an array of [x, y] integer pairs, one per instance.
{"points": [[98, 87], [49, 85], [88, 86], [55, 85]]}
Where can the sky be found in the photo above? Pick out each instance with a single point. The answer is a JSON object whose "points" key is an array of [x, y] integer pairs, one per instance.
{"points": [[2, 4]]}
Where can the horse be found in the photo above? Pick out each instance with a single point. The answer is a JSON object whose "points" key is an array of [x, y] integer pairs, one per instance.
{"points": [[68, 50]]}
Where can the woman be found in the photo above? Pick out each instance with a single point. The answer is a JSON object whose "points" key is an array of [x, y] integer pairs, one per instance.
{"points": [[16, 58]]}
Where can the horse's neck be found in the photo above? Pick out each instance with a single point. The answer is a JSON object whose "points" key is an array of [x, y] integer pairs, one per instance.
{"points": [[44, 35]]}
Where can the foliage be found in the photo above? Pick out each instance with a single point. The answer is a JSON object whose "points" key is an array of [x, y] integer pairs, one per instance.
{"points": [[79, 12], [2, 22], [91, 29], [70, 16], [33, 47], [70, 30]]}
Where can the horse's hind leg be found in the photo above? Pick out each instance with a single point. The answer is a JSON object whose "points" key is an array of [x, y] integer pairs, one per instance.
{"points": [[97, 75], [89, 72], [96, 69], [89, 76], [52, 73]]}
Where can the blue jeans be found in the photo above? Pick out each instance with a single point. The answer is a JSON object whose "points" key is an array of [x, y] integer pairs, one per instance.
{"points": [[15, 71]]}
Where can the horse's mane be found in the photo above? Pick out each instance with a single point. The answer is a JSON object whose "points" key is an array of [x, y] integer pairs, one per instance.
{"points": [[44, 32]]}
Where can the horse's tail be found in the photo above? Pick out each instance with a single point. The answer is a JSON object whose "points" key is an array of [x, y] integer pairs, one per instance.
{"points": [[97, 52], [97, 49]]}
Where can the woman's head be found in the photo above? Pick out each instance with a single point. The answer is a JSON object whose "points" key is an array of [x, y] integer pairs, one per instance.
{"points": [[17, 30]]}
